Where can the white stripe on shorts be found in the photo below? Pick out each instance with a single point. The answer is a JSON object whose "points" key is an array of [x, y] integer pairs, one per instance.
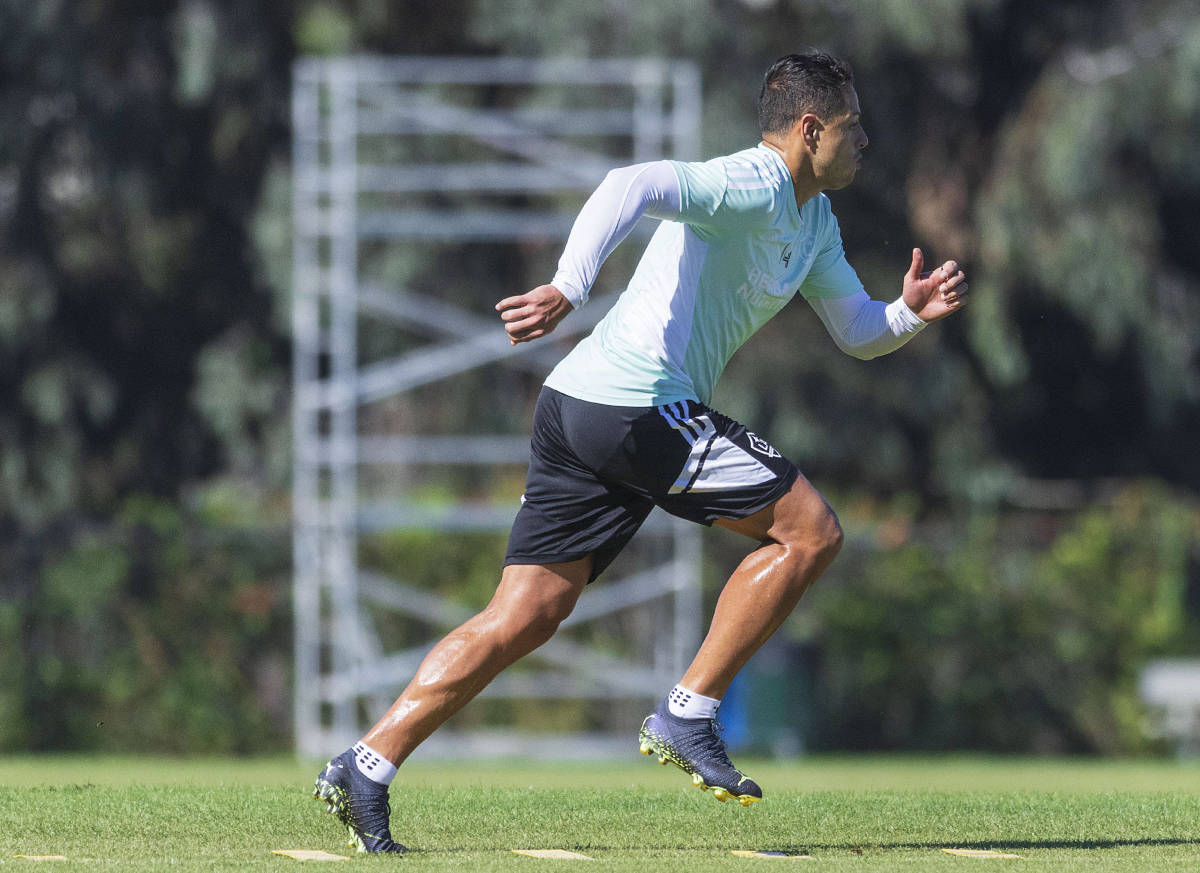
{"points": [[714, 463]]}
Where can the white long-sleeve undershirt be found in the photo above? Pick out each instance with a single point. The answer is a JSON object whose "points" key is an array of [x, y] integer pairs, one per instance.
{"points": [[859, 325], [625, 195], [866, 328]]}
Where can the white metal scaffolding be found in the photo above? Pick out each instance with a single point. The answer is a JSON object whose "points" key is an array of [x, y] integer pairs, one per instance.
{"points": [[447, 152]]}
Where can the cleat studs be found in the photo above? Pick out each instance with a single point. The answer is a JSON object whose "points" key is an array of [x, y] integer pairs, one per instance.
{"points": [[644, 748], [698, 781], [662, 760], [746, 801]]}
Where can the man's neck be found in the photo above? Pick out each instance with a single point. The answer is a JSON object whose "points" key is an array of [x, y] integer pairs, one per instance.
{"points": [[804, 181]]}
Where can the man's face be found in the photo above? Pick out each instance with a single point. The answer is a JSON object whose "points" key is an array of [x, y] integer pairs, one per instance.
{"points": [[839, 145]]}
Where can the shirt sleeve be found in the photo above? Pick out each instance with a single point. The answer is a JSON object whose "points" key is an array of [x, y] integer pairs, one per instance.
{"points": [[711, 205], [831, 275], [625, 195], [866, 328]]}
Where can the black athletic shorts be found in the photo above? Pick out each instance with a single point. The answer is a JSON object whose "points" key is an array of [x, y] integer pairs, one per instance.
{"points": [[596, 471]]}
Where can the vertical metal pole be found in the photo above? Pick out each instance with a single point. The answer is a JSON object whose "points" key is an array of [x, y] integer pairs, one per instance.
{"points": [[685, 114], [689, 591], [688, 600], [306, 551], [648, 91], [343, 589]]}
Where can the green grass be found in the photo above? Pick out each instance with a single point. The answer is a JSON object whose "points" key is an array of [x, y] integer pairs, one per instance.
{"points": [[852, 814]]}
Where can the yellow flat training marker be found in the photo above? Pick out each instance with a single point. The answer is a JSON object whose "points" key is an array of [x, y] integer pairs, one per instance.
{"points": [[778, 856], [554, 854], [42, 857], [979, 853], [309, 855]]}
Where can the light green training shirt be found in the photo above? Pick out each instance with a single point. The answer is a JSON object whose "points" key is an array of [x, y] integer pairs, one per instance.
{"points": [[738, 251]]}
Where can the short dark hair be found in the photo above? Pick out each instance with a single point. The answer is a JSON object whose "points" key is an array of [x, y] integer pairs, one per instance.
{"points": [[796, 84]]}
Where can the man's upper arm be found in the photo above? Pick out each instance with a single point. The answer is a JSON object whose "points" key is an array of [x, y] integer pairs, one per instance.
{"points": [[711, 205], [836, 279], [702, 189], [831, 275], [606, 219]]}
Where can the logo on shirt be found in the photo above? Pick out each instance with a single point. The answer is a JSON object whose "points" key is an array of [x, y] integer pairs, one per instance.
{"points": [[761, 446], [786, 257]]}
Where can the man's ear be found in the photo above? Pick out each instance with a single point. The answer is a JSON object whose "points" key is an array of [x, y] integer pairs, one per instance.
{"points": [[809, 127]]}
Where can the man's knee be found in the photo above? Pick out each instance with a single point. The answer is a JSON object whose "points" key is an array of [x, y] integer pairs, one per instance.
{"points": [[540, 620], [830, 536], [812, 529], [532, 602], [532, 621]]}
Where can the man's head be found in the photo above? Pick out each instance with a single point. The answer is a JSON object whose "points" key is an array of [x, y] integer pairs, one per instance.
{"points": [[809, 110], [795, 84]]}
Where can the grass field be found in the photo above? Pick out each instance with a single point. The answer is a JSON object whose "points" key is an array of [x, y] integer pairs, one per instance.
{"points": [[850, 814]]}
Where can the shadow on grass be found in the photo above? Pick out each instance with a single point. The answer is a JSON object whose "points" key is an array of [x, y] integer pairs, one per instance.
{"points": [[996, 844], [809, 848]]}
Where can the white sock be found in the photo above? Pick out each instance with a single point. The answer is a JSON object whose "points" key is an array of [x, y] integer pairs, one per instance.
{"points": [[373, 765], [689, 704]]}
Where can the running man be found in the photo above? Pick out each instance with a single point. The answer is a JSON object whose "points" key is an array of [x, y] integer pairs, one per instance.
{"points": [[622, 423]]}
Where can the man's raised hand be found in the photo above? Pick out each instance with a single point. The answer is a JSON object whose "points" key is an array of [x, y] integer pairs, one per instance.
{"points": [[533, 314], [934, 294]]}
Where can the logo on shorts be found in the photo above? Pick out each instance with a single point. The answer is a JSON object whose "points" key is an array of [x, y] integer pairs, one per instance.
{"points": [[762, 446], [786, 257]]}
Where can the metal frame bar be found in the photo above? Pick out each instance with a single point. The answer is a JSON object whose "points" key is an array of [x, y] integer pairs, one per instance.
{"points": [[346, 112]]}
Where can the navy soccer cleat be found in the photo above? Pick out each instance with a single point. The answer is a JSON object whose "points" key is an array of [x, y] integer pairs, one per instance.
{"points": [[359, 803], [694, 745]]}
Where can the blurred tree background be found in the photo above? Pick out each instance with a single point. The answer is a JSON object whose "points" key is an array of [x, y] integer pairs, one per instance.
{"points": [[1021, 484]]}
